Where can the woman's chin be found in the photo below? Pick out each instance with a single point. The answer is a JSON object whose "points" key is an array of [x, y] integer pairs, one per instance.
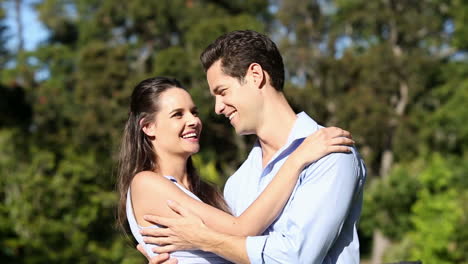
{"points": [[195, 151], [191, 152]]}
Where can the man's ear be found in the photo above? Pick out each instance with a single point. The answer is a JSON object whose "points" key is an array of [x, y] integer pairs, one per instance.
{"points": [[257, 75]]}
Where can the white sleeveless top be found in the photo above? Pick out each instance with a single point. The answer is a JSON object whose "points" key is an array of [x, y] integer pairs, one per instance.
{"points": [[183, 256]]}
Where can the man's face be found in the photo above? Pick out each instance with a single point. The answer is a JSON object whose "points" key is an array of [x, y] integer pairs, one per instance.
{"points": [[237, 101]]}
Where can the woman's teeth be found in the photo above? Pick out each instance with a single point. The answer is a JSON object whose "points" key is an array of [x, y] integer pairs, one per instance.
{"points": [[231, 116], [190, 135]]}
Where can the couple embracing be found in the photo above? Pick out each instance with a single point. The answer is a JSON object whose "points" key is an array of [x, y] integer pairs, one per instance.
{"points": [[297, 197]]}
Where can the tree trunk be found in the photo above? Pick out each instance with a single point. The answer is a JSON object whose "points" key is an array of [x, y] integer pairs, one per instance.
{"points": [[19, 24], [380, 242], [379, 245]]}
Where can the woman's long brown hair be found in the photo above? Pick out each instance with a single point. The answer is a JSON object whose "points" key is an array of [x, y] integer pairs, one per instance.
{"points": [[137, 153]]}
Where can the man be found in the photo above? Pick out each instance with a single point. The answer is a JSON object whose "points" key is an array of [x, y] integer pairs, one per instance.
{"points": [[245, 73]]}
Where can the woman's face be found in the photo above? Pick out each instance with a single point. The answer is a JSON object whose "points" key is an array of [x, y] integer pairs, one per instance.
{"points": [[177, 125]]}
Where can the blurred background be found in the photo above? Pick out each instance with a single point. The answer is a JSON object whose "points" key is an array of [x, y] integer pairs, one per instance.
{"points": [[394, 72]]}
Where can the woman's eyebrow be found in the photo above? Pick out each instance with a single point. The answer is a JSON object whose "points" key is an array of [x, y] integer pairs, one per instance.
{"points": [[176, 110]]}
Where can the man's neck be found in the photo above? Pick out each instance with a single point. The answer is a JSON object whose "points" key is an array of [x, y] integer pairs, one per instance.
{"points": [[277, 123]]}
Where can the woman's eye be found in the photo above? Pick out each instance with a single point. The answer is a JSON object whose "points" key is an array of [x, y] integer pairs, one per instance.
{"points": [[178, 114], [195, 112]]}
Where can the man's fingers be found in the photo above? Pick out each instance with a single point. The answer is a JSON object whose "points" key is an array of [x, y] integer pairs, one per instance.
{"points": [[176, 207], [156, 232], [158, 220], [164, 249], [161, 241]]}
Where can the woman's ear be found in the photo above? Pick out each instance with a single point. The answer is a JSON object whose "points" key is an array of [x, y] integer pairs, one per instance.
{"points": [[148, 128]]}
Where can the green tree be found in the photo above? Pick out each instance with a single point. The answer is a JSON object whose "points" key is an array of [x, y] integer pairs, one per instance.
{"points": [[3, 38], [58, 169], [437, 214], [370, 67]]}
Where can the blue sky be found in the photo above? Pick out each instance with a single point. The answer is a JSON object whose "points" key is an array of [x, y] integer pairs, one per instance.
{"points": [[34, 31]]}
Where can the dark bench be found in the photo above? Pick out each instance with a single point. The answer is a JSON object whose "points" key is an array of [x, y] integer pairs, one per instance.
{"points": [[407, 262]]}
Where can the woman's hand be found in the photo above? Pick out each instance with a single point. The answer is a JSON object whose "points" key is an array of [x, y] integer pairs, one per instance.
{"points": [[164, 258], [321, 143]]}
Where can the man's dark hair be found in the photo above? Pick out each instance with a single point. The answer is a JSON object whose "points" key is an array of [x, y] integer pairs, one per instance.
{"points": [[238, 49]]}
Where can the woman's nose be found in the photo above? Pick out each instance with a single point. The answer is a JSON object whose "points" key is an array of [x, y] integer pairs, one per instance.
{"points": [[193, 121]]}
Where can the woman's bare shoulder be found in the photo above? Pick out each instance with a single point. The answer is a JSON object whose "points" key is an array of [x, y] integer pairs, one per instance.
{"points": [[146, 177], [149, 182], [150, 192]]}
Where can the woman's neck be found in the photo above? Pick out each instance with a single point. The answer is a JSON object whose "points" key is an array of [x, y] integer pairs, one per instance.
{"points": [[174, 166]]}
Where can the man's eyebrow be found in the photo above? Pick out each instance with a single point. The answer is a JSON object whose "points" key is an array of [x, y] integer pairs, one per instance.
{"points": [[217, 88]]}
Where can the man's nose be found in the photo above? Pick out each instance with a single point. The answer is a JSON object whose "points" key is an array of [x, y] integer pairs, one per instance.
{"points": [[219, 106]]}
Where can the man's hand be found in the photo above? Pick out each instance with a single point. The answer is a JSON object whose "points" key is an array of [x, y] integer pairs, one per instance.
{"points": [[159, 259], [189, 232], [184, 233]]}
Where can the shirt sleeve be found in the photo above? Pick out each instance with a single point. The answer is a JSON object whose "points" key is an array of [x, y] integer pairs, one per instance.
{"points": [[255, 247], [314, 216], [229, 195]]}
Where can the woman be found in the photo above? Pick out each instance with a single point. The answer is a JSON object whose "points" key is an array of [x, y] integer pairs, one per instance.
{"points": [[161, 134]]}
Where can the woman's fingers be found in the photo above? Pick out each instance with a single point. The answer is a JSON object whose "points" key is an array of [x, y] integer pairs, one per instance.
{"points": [[163, 259], [331, 149], [329, 133], [347, 134], [142, 251], [341, 141], [338, 132]]}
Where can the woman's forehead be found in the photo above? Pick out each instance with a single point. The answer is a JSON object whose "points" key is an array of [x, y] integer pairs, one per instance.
{"points": [[175, 98]]}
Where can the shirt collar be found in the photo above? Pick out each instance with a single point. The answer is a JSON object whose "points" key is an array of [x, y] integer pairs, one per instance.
{"points": [[302, 128]]}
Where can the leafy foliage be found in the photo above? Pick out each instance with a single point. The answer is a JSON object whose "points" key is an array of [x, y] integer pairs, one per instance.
{"points": [[392, 72]]}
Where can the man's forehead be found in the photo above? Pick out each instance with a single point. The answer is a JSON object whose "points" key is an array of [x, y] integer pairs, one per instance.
{"points": [[215, 70], [215, 78]]}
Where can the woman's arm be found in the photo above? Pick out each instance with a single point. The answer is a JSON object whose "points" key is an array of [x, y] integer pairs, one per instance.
{"points": [[150, 191]]}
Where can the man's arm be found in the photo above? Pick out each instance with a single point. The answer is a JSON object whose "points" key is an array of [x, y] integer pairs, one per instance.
{"points": [[229, 247], [315, 217], [189, 231]]}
